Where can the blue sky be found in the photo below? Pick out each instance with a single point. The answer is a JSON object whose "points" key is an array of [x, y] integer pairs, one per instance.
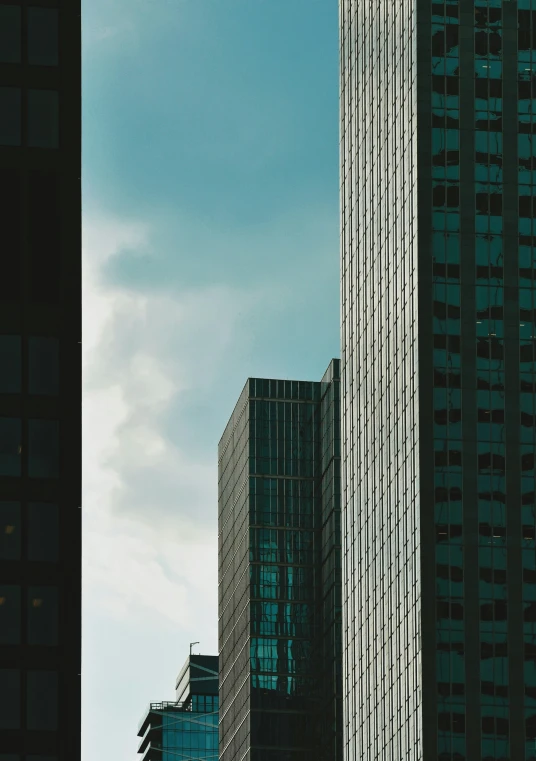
{"points": [[211, 253]]}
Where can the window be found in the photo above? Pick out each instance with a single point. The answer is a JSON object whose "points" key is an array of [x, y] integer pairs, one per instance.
{"points": [[42, 532], [10, 446], [42, 700], [10, 364], [9, 699], [9, 34], [9, 614], [43, 448], [43, 36], [43, 118], [44, 366], [43, 616], [10, 119], [10, 530]]}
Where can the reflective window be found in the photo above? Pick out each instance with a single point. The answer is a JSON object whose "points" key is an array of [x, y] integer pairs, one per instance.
{"points": [[43, 36], [9, 34], [9, 614], [9, 699], [10, 530], [43, 445], [10, 116], [43, 118], [42, 616], [43, 366], [10, 364], [42, 700], [43, 532], [10, 446]]}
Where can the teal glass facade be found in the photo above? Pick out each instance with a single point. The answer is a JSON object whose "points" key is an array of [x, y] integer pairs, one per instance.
{"points": [[188, 727], [280, 573], [466, 263]]}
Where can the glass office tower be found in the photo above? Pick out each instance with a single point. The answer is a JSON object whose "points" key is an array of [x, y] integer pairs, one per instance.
{"points": [[438, 171], [40, 380], [280, 573], [188, 727]]}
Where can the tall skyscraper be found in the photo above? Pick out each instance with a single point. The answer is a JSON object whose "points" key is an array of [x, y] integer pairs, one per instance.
{"points": [[438, 163], [40, 380], [188, 727], [280, 573]]}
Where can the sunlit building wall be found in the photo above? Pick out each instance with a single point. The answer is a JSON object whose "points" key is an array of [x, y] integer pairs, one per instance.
{"points": [[438, 379]]}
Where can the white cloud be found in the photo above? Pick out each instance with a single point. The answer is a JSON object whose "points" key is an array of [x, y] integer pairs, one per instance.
{"points": [[146, 500]]}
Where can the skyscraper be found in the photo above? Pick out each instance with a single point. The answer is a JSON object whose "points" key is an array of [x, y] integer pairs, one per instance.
{"points": [[188, 727], [40, 380], [280, 573], [438, 379]]}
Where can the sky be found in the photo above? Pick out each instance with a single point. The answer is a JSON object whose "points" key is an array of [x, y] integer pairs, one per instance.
{"points": [[211, 254]]}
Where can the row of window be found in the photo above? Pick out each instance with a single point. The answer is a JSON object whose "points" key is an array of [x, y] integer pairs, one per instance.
{"points": [[31, 757], [43, 365], [41, 38], [32, 121], [41, 612], [40, 455], [41, 700], [32, 533]]}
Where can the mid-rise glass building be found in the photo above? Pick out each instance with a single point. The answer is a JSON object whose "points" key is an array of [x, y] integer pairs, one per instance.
{"points": [[188, 727], [438, 180], [280, 573], [40, 380]]}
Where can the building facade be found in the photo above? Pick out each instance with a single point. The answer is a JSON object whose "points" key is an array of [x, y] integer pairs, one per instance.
{"points": [[280, 573], [438, 237], [40, 380], [188, 727]]}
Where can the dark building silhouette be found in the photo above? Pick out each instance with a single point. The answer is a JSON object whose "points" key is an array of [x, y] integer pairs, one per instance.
{"points": [[280, 573], [40, 380], [438, 173], [188, 727]]}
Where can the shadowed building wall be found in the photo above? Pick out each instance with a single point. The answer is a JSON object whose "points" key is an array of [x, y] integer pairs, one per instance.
{"points": [[279, 573], [40, 380]]}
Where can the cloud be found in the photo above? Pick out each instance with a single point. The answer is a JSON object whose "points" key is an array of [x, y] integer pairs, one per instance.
{"points": [[150, 505]]}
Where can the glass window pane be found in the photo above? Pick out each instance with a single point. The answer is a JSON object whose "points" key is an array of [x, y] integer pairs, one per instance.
{"points": [[10, 530], [9, 614], [43, 125], [10, 120], [43, 616], [42, 700], [10, 364], [9, 699], [43, 528], [43, 36], [9, 34], [10, 446], [43, 443], [44, 366]]}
